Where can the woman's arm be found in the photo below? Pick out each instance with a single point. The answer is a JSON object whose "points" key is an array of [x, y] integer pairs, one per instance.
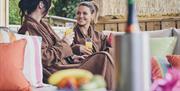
{"points": [[105, 44], [50, 53], [56, 53]]}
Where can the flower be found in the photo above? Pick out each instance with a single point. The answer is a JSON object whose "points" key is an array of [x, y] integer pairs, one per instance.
{"points": [[171, 81]]}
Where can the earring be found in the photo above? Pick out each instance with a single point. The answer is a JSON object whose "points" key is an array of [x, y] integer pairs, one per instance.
{"points": [[41, 5]]}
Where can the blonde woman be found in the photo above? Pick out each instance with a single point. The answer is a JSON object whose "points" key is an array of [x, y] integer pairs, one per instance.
{"points": [[87, 40]]}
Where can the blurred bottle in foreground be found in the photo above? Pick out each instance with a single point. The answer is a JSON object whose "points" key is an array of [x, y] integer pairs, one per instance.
{"points": [[132, 55]]}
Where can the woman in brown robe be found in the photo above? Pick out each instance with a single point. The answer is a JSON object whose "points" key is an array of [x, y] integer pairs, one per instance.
{"points": [[86, 15], [55, 50]]}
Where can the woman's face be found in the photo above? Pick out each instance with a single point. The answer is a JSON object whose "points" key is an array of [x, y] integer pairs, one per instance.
{"points": [[83, 15]]}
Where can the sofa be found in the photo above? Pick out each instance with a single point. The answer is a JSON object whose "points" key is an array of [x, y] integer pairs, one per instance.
{"points": [[20, 62], [153, 34], [163, 43], [171, 32], [168, 33]]}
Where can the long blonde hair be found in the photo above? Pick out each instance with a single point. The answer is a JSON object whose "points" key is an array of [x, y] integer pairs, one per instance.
{"points": [[96, 11]]}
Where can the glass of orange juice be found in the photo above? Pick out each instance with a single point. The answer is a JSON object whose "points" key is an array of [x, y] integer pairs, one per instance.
{"points": [[68, 31], [88, 43]]}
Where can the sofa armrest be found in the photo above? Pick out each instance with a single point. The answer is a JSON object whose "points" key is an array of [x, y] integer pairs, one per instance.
{"points": [[176, 32]]}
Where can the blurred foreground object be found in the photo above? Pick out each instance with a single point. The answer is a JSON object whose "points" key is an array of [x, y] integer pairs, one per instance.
{"points": [[171, 82], [132, 55], [77, 80]]}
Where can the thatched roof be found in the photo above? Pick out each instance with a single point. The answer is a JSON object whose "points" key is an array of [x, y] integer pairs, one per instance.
{"points": [[145, 8]]}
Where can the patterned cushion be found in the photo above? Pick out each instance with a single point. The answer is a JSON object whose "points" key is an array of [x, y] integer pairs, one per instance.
{"points": [[156, 70], [32, 58], [159, 68], [174, 60]]}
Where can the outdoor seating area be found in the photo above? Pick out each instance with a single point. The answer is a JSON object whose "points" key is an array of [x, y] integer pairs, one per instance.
{"points": [[126, 54]]}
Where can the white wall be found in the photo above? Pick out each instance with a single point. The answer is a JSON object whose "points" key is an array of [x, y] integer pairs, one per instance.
{"points": [[4, 13]]}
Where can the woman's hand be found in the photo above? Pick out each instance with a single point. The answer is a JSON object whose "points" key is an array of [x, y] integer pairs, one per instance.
{"points": [[85, 50], [77, 59]]}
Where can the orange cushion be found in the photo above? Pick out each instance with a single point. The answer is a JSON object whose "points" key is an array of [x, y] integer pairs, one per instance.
{"points": [[11, 65], [156, 69], [174, 60]]}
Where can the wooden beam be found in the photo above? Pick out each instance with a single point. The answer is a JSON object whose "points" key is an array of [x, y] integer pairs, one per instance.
{"points": [[146, 24], [112, 21]]}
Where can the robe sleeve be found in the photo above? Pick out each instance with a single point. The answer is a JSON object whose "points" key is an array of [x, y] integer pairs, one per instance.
{"points": [[76, 49], [105, 46], [76, 46], [51, 54]]}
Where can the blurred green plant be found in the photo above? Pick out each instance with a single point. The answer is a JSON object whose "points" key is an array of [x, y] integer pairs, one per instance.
{"points": [[14, 17], [65, 8]]}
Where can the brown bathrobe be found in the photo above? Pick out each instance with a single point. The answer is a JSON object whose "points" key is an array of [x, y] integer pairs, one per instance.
{"points": [[99, 41], [54, 50]]}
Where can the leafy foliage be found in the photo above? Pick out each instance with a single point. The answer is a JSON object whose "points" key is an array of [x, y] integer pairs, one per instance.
{"points": [[65, 8], [14, 17]]}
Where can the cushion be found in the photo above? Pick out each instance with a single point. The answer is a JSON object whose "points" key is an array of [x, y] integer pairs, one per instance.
{"points": [[160, 33], [176, 32], [174, 60], [11, 65], [156, 70], [159, 68], [32, 58], [163, 46]]}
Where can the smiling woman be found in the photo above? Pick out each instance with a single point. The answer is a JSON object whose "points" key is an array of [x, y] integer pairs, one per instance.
{"points": [[87, 40]]}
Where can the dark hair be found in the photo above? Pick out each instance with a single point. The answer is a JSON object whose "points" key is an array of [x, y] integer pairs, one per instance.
{"points": [[94, 9], [28, 6]]}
